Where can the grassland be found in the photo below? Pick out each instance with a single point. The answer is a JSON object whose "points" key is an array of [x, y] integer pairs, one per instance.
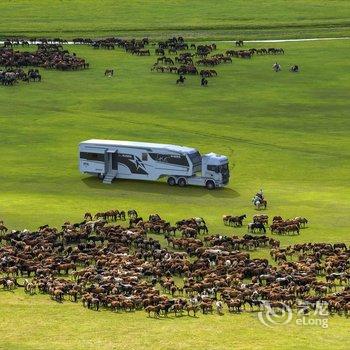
{"points": [[193, 18], [284, 132], [287, 133], [37, 323]]}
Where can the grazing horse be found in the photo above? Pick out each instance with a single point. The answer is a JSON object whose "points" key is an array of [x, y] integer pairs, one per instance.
{"points": [[301, 220], [29, 287], [159, 51], [34, 75], [237, 220], [154, 309], [109, 72], [193, 308], [132, 214], [168, 60], [256, 226], [3, 228], [234, 305], [88, 216]]}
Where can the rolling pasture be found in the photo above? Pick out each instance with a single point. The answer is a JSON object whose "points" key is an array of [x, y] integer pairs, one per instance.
{"points": [[287, 133], [284, 132], [192, 18]]}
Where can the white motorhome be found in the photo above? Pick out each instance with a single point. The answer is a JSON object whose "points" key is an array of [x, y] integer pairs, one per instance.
{"points": [[150, 161]]}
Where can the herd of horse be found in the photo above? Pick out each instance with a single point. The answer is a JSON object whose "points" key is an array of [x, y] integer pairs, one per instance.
{"points": [[260, 223], [112, 260], [11, 76], [188, 53], [47, 55], [51, 55], [185, 59]]}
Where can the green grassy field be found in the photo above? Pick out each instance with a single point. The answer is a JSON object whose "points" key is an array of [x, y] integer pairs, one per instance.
{"points": [[284, 132], [287, 133], [36, 323], [193, 18]]}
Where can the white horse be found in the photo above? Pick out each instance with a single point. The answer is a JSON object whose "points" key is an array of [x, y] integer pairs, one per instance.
{"points": [[219, 307]]}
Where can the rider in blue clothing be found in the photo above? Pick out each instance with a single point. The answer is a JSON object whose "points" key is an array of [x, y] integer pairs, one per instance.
{"points": [[258, 197]]}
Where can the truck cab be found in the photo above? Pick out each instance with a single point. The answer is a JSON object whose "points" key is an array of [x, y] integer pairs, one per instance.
{"points": [[215, 167], [210, 170]]}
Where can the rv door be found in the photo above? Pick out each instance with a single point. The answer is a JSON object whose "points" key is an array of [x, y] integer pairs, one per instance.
{"points": [[115, 161], [111, 160]]}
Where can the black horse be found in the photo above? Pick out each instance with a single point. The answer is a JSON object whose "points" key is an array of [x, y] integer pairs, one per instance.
{"points": [[204, 82], [256, 226], [181, 80], [34, 75]]}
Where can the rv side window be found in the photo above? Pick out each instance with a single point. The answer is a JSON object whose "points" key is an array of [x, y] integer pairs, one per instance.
{"points": [[92, 156], [144, 156], [195, 158]]}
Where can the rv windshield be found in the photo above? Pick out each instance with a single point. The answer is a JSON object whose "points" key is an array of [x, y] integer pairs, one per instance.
{"points": [[195, 158], [223, 168], [219, 168]]}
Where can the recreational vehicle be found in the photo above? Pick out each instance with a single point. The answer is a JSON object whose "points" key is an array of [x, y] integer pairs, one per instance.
{"points": [[150, 161]]}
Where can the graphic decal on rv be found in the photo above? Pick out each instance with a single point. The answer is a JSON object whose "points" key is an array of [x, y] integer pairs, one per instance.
{"points": [[134, 163], [175, 159]]}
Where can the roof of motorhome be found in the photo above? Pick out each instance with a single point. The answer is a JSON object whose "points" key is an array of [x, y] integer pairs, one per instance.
{"points": [[173, 148]]}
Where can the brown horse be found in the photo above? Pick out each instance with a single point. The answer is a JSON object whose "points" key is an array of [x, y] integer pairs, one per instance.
{"points": [[88, 216]]}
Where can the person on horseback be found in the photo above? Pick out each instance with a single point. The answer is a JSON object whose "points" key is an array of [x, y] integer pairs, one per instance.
{"points": [[259, 197], [260, 194], [181, 79], [276, 67]]}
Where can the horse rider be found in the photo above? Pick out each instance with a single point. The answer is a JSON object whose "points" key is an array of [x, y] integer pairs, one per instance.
{"points": [[260, 194], [276, 67], [295, 69], [259, 197]]}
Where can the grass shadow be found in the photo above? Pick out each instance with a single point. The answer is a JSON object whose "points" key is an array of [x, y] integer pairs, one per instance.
{"points": [[160, 187]]}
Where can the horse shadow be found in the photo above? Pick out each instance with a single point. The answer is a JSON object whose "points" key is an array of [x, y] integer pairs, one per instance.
{"points": [[160, 187]]}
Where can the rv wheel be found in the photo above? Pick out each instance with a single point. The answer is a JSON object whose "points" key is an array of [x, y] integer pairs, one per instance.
{"points": [[182, 182], [171, 181], [210, 185]]}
